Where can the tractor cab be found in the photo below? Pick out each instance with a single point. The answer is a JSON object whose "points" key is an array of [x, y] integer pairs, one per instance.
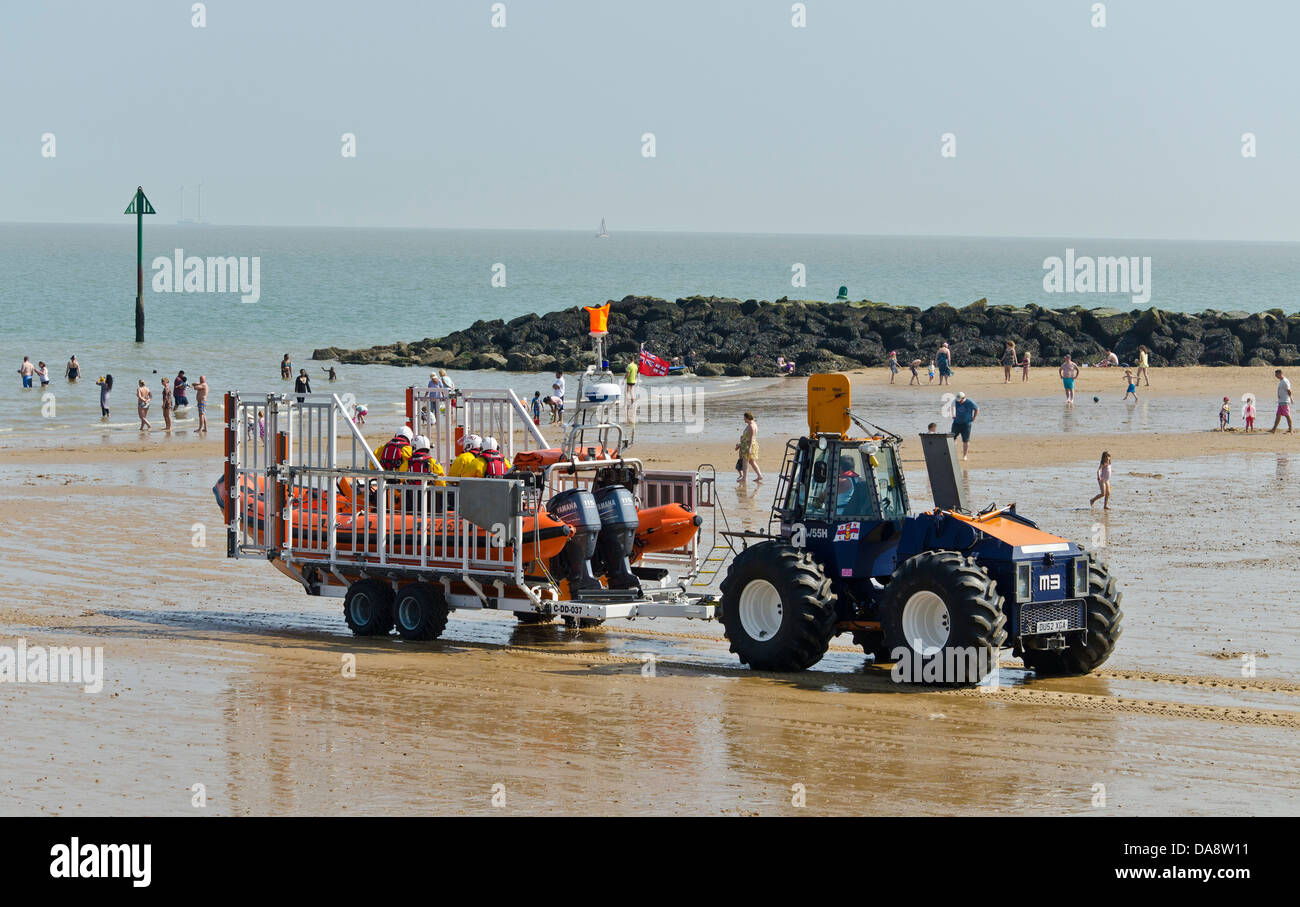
{"points": [[843, 498]]}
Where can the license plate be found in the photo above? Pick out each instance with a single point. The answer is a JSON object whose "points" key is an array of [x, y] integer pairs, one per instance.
{"points": [[1051, 626]]}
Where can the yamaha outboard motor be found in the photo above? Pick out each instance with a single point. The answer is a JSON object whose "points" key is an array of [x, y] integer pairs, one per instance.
{"points": [[577, 507], [618, 526]]}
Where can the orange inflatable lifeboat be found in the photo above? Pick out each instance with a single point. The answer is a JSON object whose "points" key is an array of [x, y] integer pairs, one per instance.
{"points": [[538, 460], [664, 528], [543, 536]]}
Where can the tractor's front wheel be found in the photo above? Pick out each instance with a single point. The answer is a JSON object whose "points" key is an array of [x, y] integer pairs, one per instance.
{"points": [[1102, 628], [368, 608], [777, 608], [943, 619]]}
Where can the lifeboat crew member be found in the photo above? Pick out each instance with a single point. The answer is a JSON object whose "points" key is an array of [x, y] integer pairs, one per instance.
{"points": [[422, 460], [469, 464], [395, 454], [494, 462]]}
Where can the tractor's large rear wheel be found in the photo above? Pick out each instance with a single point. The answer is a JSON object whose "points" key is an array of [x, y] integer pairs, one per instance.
{"points": [[943, 619], [777, 608], [1103, 618], [368, 608]]}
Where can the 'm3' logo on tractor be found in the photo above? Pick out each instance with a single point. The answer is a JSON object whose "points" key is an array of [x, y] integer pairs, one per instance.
{"points": [[1049, 582]]}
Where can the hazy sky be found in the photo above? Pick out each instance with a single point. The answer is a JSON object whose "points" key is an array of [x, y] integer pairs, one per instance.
{"points": [[1062, 129]]}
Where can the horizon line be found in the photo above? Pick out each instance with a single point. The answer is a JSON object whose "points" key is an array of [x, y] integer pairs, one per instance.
{"points": [[654, 231]]}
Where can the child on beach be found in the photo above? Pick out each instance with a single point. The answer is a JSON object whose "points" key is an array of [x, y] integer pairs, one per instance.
{"points": [[932, 371], [1103, 482], [1248, 412], [1225, 414], [105, 386], [1024, 367], [537, 407], [1132, 385], [359, 414], [893, 365], [916, 375]]}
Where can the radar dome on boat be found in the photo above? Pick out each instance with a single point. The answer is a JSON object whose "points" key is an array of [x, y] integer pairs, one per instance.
{"points": [[604, 392]]}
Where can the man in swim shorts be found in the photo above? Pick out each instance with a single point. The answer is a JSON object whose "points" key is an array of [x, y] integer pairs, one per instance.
{"points": [[201, 398], [1284, 401], [1068, 372], [964, 413]]}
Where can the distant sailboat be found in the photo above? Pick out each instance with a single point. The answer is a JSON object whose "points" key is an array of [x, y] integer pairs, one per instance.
{"points": [[603, 234]]}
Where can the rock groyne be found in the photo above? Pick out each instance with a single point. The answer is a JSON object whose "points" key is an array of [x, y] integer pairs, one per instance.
{"points": [[724, 336]]}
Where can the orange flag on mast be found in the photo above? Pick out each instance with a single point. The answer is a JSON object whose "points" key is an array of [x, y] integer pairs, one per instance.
{"points": [[599, 315]]}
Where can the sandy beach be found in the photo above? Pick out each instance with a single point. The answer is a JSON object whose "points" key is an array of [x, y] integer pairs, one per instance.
{"points": [[223, 673]]}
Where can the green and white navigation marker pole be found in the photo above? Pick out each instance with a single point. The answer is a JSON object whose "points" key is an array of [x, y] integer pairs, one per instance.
{"points": [[139, 207]]}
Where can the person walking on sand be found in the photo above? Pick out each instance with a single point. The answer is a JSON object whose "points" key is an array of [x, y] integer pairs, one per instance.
{"points": [[168, 403], [201, 398], [1144, 361], [748, 447], [1103, 482], [105, 387], [893, 365], [143, 396], [1024, 367], [1008, 361], [916, 374], [964, 412], [1248, 412], [26, 370], [1284, 401], [302, 385], [73, 370], [1132, 385], [943, 359], [932, 371], [1068, 372]]}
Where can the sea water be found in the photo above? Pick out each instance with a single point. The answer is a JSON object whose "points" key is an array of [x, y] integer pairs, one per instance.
{"points": [[68, 289]]}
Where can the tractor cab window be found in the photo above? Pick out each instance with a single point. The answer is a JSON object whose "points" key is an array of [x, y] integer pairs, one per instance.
{"points": [[853, 498], [821, 484], [889, 487], [867, 490]]}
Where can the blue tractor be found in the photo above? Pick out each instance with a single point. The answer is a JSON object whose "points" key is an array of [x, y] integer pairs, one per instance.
{"points": [[939, 593]]}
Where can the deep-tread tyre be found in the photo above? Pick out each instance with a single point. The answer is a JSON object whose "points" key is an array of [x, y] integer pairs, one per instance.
{"points": [[1103, 619], [368, 608], [420, 611], [952, 607], [532, 617], [581, 623], [778, 610]]}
